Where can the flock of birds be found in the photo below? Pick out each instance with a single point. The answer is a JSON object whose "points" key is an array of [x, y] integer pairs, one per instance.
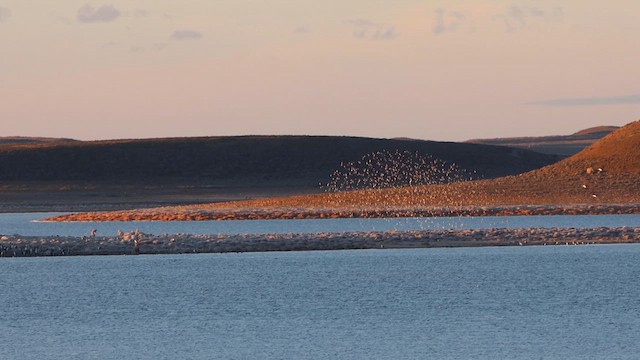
{"points": [[390, 169], [407, 173]]}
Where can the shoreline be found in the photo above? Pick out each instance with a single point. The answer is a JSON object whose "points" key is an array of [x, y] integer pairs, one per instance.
{"points": [[148, 244], [203, 214]]}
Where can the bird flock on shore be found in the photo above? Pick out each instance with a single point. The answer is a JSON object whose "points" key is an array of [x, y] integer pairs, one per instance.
{"points": [[388, 169]]}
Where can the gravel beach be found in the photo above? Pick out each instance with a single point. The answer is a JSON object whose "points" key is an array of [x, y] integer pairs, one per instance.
{"points": [[204, 213]]}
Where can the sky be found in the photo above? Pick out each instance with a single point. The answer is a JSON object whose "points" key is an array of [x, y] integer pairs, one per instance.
{"points": [[430, 69]]}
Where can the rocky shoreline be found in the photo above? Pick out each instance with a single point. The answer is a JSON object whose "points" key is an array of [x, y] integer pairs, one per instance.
{"points": [[203, 214], [139, 243]]}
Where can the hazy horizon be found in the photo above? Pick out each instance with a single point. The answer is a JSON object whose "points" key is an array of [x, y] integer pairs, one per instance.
{"points": [[426, 70], [249, 135]]}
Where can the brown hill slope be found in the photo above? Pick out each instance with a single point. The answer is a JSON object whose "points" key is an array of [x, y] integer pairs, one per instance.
{"points": [[560, 144], [617, 153], [608, 172]]}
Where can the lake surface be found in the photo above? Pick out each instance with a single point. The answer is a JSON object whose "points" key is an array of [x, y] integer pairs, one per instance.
{"points": [[24, 224], [546, 302]]}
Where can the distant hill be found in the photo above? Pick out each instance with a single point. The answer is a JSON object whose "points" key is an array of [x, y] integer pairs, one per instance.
{"points": [[560, 144], [598, 131], [24, 140], [297, 160]]}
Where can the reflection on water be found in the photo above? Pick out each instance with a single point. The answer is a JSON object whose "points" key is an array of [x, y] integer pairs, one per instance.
{"points": [[26, 224]]}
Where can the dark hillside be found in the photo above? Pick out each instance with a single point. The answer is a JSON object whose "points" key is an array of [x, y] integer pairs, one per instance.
{"points": [[558, 144], [306, 160], [19, 140]]}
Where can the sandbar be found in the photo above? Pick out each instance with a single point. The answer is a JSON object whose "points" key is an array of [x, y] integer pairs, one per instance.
{"points": [[139, 243]]}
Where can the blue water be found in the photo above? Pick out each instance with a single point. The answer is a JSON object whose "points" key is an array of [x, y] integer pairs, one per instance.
{"points": [[24, 224], [546, 302]]}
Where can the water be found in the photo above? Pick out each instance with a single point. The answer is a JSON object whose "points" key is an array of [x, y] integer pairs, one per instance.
{"points": [[559, 302], [25, 224]]}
